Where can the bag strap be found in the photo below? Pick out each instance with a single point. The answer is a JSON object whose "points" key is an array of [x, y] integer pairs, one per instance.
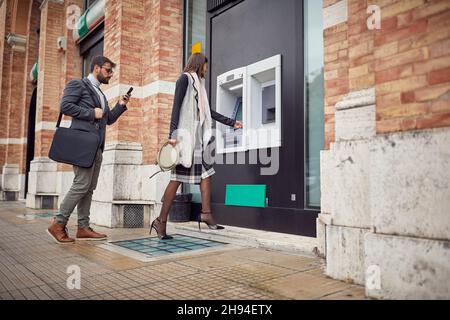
{"points": [[58, 123], [155, 174], [59, 119]]}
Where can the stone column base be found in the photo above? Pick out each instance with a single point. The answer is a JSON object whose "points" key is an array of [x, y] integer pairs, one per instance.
{"points": [[10, 182], [400, 267], [42, 201], [321, 223], [42, 182], [124, 214], [125, 197], [9, 195]]}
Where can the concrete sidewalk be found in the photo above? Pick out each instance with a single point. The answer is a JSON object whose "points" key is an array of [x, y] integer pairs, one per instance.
{"points": [[33, 266]]}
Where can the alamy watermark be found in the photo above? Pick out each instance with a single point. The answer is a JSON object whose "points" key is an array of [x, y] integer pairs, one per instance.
{"points": [[373, 277], [73, 13], [374, 21], [74, 280], [257, 150]]}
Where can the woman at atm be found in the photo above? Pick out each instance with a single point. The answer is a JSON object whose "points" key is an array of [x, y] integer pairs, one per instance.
{"points": [[191, 129]]}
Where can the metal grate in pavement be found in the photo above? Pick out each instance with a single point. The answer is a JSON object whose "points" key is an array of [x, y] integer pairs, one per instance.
{"points": [[153, 247]]}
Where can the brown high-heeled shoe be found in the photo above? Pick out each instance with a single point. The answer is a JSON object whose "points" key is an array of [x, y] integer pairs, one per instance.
{"points": [[210, 225], [161, 235]]}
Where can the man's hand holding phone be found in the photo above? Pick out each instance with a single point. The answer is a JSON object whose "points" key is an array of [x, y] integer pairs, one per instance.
{"points": [[125, 98]]}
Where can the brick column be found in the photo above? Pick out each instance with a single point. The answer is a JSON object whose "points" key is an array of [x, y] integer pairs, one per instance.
{"points": [[32, 54], [71, 68], [144, 38], [12, 175], [43, 173], [163, 38], [5, 29], [335, 41]]}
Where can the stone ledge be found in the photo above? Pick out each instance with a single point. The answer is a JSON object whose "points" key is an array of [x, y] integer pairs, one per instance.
{"points": [[144, 202], [357, 99], [250, 237]]}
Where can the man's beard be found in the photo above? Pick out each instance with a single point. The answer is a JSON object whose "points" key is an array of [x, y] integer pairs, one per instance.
{"points": [[102, 79]]}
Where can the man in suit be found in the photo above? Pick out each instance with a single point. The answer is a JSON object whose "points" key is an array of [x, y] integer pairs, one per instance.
{"points": [[85, 102]]}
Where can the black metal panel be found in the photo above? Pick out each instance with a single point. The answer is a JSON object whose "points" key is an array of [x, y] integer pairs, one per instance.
{"points": [[213, 5], [11, 195], [240, 35], [48, 202], [133, 216], [292, 221]]}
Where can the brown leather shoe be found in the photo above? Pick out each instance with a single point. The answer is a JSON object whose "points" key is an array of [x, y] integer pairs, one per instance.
{"points": [[89, 234], [58, 232]]}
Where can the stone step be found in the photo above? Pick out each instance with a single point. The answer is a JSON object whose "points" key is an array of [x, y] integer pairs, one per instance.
{"points": [[249, 238]]}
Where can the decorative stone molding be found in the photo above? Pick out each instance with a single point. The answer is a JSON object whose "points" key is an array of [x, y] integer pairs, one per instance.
{"points": [[357, 99], [122, 153], [355, 116], [13, 141], [17, 42], [335, 14], [48, 125], [159, 86], [44, 2]]}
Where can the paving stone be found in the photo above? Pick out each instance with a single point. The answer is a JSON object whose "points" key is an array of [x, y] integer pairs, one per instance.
{"points": [[33, 267]]}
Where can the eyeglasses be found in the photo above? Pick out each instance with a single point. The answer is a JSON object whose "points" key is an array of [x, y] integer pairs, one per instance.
{"points": [[109, 70]]}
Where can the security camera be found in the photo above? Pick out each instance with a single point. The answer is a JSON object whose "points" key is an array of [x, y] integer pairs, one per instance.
{"points": [[62, 43]]}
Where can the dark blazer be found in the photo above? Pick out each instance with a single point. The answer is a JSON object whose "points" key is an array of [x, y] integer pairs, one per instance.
{"points": [[79, 100]]}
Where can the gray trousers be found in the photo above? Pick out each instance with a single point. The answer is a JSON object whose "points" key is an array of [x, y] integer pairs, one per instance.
{"points": [[80, 194]]}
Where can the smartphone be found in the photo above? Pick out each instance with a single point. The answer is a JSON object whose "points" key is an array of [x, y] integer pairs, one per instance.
{"points": [[130, 90]]}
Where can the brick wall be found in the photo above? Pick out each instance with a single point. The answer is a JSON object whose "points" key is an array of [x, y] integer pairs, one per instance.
{"points": [[71, 63], [30, 59], [336, 72], [16, 105], [50, 66], [15, 108], [2, 40], [412, 74], [407, 60], [145, 39], [162, 61], [123, 44]]}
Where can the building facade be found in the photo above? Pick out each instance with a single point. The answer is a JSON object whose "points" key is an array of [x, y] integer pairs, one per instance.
{"points": [[345, 106]]}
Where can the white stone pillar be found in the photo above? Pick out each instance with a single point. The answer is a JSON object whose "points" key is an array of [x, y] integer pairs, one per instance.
{"points": [[345, 205], [408, 248], [120, 187], [42, 184], [10, 182]]}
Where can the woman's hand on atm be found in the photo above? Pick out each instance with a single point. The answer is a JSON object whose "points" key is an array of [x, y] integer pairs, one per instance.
{"points": [[238, 125]]}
